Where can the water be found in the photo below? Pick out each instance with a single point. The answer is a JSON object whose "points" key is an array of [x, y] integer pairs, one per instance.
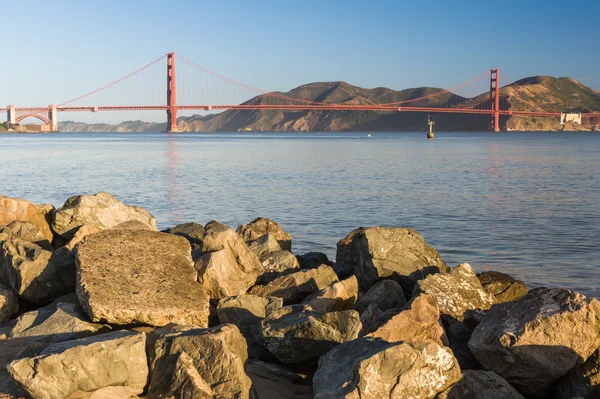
{"points": [[523, 203]]}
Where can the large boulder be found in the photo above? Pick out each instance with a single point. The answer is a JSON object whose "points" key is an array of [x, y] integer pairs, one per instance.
{"points": [[88, 364], [370, 368], [136, 276], [502, 286], [35, 274], [228, 266], [340, 295], [190, 362], [536, 340], [62, 320], [193, 232], [12, 209], [101, 210], [380, 252], [583, 381], [29, 232], [419, 322], [386, 294], [456, 292], [247, 310], [277, 264], [261, 226], [9, 304], [479, 384], [295, 287], [296, 333], [272, 381], [265, 246]]}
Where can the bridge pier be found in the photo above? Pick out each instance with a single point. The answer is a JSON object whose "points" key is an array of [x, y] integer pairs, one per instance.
{"points": [[11, 115], [53, 116]]}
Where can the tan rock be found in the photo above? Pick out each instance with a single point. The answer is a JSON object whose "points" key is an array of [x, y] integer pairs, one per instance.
{"points": [[133, 225], [277, 264], [9, 304], [371, 368], [261, 226], [246, 310], [381, 252], [101, 210], [340, 295], [456, 292], [419, 322], [136, 276], [386, 294], [502, 286], [12, 209], [264, 246], [210, 363], [293, 288], [30, 232], [228, 266], [80, 233], [113, 359]]}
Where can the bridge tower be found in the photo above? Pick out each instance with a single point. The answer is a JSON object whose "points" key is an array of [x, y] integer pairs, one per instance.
{"points": [[495, 98], [11, 115], [53, 116], [171, 94]]}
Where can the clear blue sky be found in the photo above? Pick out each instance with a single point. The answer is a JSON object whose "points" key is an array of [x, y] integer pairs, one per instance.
{"points": [[56, 50]]}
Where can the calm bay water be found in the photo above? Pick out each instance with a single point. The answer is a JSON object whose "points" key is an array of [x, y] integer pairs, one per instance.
{"points": [[523, 203]]}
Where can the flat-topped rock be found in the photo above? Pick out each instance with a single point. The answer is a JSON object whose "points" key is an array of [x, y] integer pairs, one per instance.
{"points": [[12, 209], [136, 276], [261, 226], [101, 210], [88, 364], [380, 252]]}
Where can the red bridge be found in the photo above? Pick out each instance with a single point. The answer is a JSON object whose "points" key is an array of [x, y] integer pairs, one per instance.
{"points": [[222, 87]]}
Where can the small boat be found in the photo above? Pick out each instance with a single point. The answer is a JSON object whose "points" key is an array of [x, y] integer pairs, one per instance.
{"points": [[430, 135]]}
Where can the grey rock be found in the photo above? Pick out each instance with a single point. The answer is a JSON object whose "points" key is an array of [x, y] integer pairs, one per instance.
{"points": [[296, 333], [228, 266], [113, 359], [209, 363], [261, 226], [458, 340], [537, 339], [456, 292], [370, 368], [101, 210], [264, 246], [193, 232], [312, 260], [340, 295], [372, 318], [502, 286], [295, 287], [380, 252], [277, 264], [386, 294], [272, 381], [137, 276], [9, 304], [583, 381], [479, 384]]}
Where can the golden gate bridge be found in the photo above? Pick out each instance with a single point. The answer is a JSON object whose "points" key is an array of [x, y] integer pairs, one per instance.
{"points": [[271, 101]]}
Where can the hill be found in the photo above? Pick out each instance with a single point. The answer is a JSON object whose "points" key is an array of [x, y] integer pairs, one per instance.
{"points": [[539, 93]]}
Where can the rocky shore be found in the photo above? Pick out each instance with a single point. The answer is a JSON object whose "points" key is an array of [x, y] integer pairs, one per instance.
{"points": [[95, 302]]}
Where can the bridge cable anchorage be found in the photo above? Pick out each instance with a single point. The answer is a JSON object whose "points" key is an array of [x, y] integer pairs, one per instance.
{"points": [[115, 82]]}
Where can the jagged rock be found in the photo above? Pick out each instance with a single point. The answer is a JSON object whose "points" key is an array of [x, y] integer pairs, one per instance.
{"points": [[312, 260], [101, 210], [371, 368], [293, 288], [29, 232], [35, 274], [264, 246], [62, 320], [386, 294], [340, 295], [193, 232], [536, 340], [277, 264], [502, 286], [372, 318], [272, 381], [9, 304], [209, 363], [228, 266], [246, 310], [583, 381], [296, 333], [12, 209], [419, 322], [136, 276], [261, 226], [456, 292], [113, 359], [380, 252], [80, 233], [479, 384], [458, 340]]}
